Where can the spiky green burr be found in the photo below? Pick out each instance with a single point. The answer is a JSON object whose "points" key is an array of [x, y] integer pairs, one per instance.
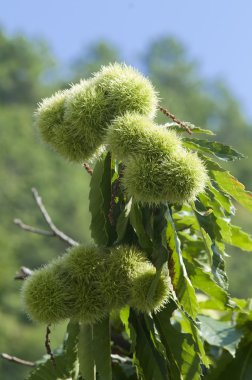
{"points": [[86, 283], [133, 135], [175, 178], [74, 121]]}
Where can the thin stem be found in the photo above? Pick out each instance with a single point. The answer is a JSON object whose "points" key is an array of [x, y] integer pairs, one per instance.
{"points": [[34, 230], [16, 360], [88, 168], [48, 345], [173, 117]]}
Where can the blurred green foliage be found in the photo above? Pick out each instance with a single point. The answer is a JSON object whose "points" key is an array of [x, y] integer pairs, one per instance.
{"points": [[27, 162]]}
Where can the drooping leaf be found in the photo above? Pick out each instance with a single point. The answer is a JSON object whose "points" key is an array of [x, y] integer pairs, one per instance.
{"points": [[191, 327], [212, 235], [101, 349], [184, 361], [222, 198], [100, 200], [219, 150], [160, 250], [66, 362], [204, 281], [85, 352], [209, 221], [218, 267], [180, 280], [240, 239], [137, 222], [219, 221], [220, 333], [151, 361], [185, 221], [210, 164], [122, 221], [235, 188], [239, 368]]}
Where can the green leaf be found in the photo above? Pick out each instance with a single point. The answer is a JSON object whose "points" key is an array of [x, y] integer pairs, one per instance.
{"points": [[220, 333], [222, 198], [124, 316], [193, 128], [101, 349], [184, 361], [122, 221], [218, 267], [137, 221], [151, 361], [66, 362], [160, 250], [219, 222], [239, 239], [85, 352], [99, 202], [239, 368], [212, 234], [180, 280], [203, 281], [221, 151], [233, 187]]}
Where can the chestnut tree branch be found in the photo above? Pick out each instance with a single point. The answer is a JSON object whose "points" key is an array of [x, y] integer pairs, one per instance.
{"points": [[88, 168], [54, 231], [23, 273], [16, 360], [173, 117], [34, 230]]}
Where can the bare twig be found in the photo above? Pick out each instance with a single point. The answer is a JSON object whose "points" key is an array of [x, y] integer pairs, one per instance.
{"points": [[53, 228], [34, 230], [88, 168], [173, 117], [23, 273], [120, 359], [48, 345], [16, 360]]}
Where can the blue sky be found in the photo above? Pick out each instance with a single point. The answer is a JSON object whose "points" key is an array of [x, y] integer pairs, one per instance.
{"points": [[218, 33]]}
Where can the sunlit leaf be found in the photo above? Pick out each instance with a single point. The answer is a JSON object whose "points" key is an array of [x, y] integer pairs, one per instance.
{"points": [[152, 362], [99, 202], [239, 239], [137, 222], [180, 280], [219, 150], [235, 188], [220, 333], [204, 281], [122, 221], [180, 348]]}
